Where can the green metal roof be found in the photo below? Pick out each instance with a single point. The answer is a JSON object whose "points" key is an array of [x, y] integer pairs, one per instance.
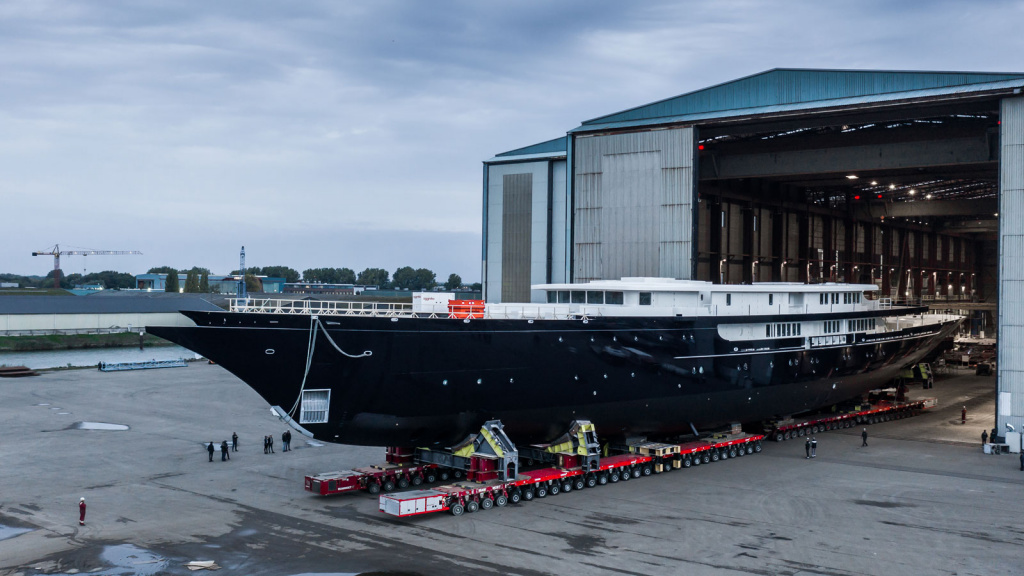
{"points": [[549, 147], [790, 86]]}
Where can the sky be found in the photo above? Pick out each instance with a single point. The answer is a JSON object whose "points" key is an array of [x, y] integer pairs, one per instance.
{"points": [[352, 134]]}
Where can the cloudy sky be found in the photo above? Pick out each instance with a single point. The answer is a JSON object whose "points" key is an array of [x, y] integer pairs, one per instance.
{"points": [[351, 134]]}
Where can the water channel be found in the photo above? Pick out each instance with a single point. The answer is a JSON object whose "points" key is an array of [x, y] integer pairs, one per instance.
{"points": [[92, 356]]}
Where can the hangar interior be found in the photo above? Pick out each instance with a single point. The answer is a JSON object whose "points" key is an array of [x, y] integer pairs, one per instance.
{"points": [[892, 178]]}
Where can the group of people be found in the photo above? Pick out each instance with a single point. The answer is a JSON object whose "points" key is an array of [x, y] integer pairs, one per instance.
{"points": [[224, 453], [286, 442]]}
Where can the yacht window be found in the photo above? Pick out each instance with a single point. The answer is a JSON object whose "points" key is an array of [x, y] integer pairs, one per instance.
{"points": [[613, 298], [771, 299], [645, 298], [563, 296], [579, 297], [595, 297], [821, 298], [797, 329], [552, 297], [728, 299], [767, 330]]}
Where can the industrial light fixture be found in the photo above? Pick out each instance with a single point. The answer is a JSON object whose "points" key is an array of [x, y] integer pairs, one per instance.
{"points": [[851, 176], [996, 214], [929, 196], [873, 183], [892, 186], [912, 191]]}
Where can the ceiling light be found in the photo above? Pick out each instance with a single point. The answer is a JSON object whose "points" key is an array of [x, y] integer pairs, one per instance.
{"points": [[996, 214], [929, 196], [892, 186], [851, 176], [912, 191], [873, 183]]}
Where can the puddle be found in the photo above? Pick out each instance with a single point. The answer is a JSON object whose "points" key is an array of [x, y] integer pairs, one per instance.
{"points": [[128, 560], [97, 426], [10, 531]]}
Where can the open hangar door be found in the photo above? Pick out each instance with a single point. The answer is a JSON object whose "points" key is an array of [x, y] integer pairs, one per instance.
{"points": [[906, 199]]}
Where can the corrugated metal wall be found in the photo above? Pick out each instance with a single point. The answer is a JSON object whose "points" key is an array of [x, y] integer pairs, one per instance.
{"points": [[516, 231], [633, 205], [1010, 382]]}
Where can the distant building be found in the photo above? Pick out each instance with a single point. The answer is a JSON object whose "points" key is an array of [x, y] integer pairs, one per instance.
{"points": [[26, 315], [8, 284], [218, 284], [325, 288]]}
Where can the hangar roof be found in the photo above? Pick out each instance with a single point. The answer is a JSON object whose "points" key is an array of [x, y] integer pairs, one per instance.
{"points": [[92, 305], [783, 89]]}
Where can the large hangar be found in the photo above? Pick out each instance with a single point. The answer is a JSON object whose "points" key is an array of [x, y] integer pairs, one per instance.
{"points": [[913, 181]]}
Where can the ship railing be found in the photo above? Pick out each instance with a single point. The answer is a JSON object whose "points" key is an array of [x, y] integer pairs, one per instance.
{"points": [[325, 307]]}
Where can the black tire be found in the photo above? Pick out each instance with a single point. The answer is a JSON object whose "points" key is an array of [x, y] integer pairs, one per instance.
{"points": [[757, 446], [741, 450], [403, 482], [388, 485], [687, 462], [714, 456], [750, 448], [801, 432], [431, 478], [724, 454], [373, 488], [542, 491], [472, 506], [457, 509], [646, 470], [706, 458], [778, 437], [579, 483], [602, 479], [613, 477], [457, 474], [554, 489], [625, 475], [567, 486], [486, 503], [500, 500], [787, 434], [732, 452], [528, 494], [591, 480], [417, 480], [515, 497], [444, 476]]}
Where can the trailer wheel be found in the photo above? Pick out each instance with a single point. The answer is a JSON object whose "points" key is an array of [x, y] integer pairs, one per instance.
{"points": [[732, 452], [457, 474], [403, 482], [445, 476], [486, 503], [614, 476], [528, 494], [591, 480], [706, 458], [750, 448], [542, 491], [757, 446], [602, 479], [741, 450], [801, 432], [373, 488], [472, 506], [787, 434], [567, 487], [515, 496], [457, 509], [580, 483], [431, 477], [714, 456], [554, 489], [500, 501], [687, 462], [645, 470], [389, 485], [417, 480]]}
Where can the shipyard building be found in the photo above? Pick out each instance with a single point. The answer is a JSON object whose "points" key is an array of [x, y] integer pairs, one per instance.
{"points": [[913, 181]]}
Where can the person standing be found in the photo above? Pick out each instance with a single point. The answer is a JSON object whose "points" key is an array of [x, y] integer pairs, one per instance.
{"points": [[1021, 461], [963, 415], [265, 449], [984, 437], [864, 437], [814, 447], [81, 512], [286, 441], [209, 448], [807, 448], [270, 443], [234, 441], [224, 451]]}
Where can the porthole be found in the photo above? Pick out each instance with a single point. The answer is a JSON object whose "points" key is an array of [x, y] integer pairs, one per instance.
{"points": [[701, 369], [269, 351]]}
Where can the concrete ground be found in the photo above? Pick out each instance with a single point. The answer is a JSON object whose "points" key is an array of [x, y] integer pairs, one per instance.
{"points": [[922, 498]]}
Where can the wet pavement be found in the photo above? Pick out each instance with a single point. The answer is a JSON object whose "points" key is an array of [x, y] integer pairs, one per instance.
{"points": [[922, 498]]}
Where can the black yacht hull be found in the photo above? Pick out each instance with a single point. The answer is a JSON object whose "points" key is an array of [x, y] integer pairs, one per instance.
{"points": [[432, 381]]}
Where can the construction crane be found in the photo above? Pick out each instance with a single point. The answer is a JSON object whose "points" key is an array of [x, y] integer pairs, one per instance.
{"points": [[56, 252]]}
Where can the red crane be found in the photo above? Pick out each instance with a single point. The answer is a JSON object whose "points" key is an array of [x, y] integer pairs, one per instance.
{"points": [[56, 252]]}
